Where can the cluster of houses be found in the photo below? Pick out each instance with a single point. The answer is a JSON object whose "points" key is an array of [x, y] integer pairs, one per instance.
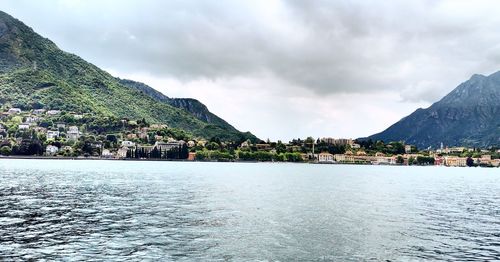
{"points": [[354, 152], [31, 119], [381, 159], [73, 133]]}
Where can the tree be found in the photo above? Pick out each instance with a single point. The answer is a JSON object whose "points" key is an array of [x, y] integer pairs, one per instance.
{"points": [[411, 160], [400, 160], [280, 147], [5, 151], [470, 162], [184, 153]]}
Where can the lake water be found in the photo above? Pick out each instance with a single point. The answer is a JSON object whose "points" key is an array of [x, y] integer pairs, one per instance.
{"points": [[124, 210]]}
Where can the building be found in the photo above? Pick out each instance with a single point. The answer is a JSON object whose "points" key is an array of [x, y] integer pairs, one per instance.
{"points": [[73, 133], [355, 146], [361, 153], [128, 144], [245, 144], [52, 134], [106, 153], [31, 119], [264, 147], [384, 160], [344, 158], [338, 142], [407, 149], [24, 126], [122, 152], [325, 158], [191, 156], [166, 146], [61, 125], [455, 161], [144, 149], [143, 135], [439, 161], [14, 111], [191, 143], [53, 112], [51, 150], [131, 136], [77, 117], [38, 111]]}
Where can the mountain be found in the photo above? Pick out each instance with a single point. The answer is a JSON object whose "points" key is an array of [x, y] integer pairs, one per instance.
{"points": [[193, 106], [35, 73], [468, 116]]}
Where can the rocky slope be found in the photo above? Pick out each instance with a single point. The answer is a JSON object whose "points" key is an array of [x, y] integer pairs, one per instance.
{"points": [[469, 116]]}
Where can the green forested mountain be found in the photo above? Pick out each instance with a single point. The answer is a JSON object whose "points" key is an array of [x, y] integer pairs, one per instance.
{"points": [[468, 116], [35, 73]]}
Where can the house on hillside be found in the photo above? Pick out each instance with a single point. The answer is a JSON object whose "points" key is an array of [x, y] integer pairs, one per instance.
{"points": [[24, 126], [38, 111], [52, 134], [53, 112], [14, 111], [51, 150], [73, 133]]}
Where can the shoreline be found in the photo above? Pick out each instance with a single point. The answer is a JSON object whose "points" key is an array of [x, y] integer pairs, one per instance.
{"points": [[197, 161]]}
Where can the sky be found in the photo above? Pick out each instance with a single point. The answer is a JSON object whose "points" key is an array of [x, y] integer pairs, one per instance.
{"points": [[282, 69]]}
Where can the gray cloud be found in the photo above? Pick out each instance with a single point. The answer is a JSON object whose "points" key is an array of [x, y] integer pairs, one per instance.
{"points": [[329, 62], [324, 46]]}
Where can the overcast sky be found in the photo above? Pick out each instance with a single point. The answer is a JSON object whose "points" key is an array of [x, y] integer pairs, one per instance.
{"points": [[282, 69]]}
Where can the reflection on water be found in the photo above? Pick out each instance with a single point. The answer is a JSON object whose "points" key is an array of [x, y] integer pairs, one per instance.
{"points": [[114, 210]]}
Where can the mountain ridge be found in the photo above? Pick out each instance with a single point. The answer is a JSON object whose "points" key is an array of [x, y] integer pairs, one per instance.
{"points": [[467, 116]]}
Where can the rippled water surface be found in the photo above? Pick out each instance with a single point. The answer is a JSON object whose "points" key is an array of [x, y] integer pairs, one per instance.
{"points": [[120, 210]]}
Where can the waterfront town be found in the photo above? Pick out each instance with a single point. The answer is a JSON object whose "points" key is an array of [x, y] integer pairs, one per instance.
{"points": [[57, 134]]}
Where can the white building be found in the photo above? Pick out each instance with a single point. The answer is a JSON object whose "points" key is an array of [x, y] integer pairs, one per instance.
{"points": [[325, 158], [31, 119], [407, 149], [162, 146], [51, 150], [127, 143], [53, 112], [122, 152], [107, 154], [73, 133], [14, 110], [52, 134], [24, 126]]}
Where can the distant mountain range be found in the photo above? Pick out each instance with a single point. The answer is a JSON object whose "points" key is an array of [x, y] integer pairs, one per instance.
{"points": [[35, 73], [468, 116]]}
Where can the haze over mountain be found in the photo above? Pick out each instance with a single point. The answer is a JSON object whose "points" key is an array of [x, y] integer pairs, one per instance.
{"points": [[468, 115], [35, 73]]}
